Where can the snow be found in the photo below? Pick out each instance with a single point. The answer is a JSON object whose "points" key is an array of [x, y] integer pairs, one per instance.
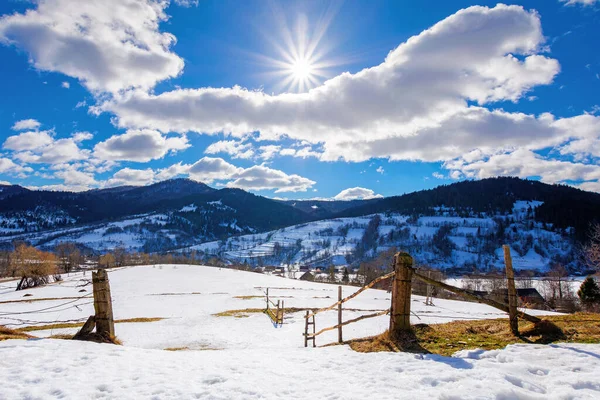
{"points": [[62, 369], [248, 357]]}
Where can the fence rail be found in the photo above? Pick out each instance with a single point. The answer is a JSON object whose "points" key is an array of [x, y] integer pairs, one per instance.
{"points": [[400, 311], [277, 312], [309, 318]]}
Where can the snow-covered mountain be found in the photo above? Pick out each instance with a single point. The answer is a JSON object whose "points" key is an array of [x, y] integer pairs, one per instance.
{"points": [[462, 225], [446, 239]]}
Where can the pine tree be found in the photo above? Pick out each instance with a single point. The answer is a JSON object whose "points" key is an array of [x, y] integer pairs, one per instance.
{"points": [[589, 292]]}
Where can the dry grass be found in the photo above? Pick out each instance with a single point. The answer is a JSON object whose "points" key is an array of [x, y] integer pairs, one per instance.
{"points": [[80, 324], [446, 339], [245, 312], [7, 333], [248, 297]]}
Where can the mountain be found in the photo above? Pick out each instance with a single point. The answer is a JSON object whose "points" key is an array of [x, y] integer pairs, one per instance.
{"points": [[157, 217], [181, 214]]}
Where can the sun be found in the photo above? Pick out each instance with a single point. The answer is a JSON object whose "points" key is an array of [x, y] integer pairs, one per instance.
{"points": [[301, 69], [300, 58]]}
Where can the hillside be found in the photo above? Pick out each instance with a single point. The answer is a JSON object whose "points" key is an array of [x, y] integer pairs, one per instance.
{"points": [[457, 240], [181, 214]]}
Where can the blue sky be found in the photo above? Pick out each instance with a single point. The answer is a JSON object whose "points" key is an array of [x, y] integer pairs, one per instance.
{"points": [[299, 99]]}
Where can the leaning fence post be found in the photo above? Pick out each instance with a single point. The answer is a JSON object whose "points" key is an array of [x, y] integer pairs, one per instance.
{"points": [[401, 291], [512, 291], [105, 324], [340, 315]]}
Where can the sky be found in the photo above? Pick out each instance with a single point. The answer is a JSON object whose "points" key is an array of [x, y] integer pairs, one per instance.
{"points": [[298, 99]]}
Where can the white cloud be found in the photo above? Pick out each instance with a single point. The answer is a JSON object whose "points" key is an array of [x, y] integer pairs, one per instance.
{"points": [[260, 177], [109, 45], [380, 170], [187, 3], [209, 169], [437, 175], [7, 166], [235, 149], [65, 85], [466, 57], [139, 145], [82, 136], [131, 177], [356, 193], [583, 2], [74, 177], [28, 141], [26, 124], [525, 163], [269, 151]]}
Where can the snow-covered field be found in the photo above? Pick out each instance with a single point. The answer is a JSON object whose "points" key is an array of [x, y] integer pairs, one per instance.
{"points": [[249, 357]]}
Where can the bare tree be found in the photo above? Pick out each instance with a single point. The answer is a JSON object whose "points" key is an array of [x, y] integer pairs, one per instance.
{"points": [[591, 251]]}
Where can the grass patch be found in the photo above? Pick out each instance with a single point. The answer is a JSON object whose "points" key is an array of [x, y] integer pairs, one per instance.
{"points": [[248, 297], [80, 324], [7, 333], [245, 312], [446, 339]]}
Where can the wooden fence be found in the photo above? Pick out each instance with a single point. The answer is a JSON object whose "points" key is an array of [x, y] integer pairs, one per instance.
{"points": [[403, 274], [309, 318], [276, 313]]}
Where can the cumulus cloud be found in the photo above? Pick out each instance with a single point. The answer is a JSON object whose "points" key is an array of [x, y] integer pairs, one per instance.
{"points": [[133, 177], [28, 141], [356, 193], [424, 83], [525, 163], [209, 169], [139, 145], [234, 148], [26, 124], [109, 45], [7, 166], [260, 177], [65, 85], [82, 136]]}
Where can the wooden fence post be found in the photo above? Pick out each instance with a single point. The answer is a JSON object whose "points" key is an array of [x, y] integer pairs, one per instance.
{"points": [[267, 299], [512, 291], [105, 324], [282, 311], [401, 291], [340, 340]]}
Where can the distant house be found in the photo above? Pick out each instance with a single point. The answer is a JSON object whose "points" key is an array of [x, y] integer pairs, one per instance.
{"points": [[529, 296], [307, 276], [304, 268]]}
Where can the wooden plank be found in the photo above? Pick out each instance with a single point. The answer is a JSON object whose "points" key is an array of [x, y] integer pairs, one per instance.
{"points": [[331, 307], [474, 297], [512, 292], [350, 321]]}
